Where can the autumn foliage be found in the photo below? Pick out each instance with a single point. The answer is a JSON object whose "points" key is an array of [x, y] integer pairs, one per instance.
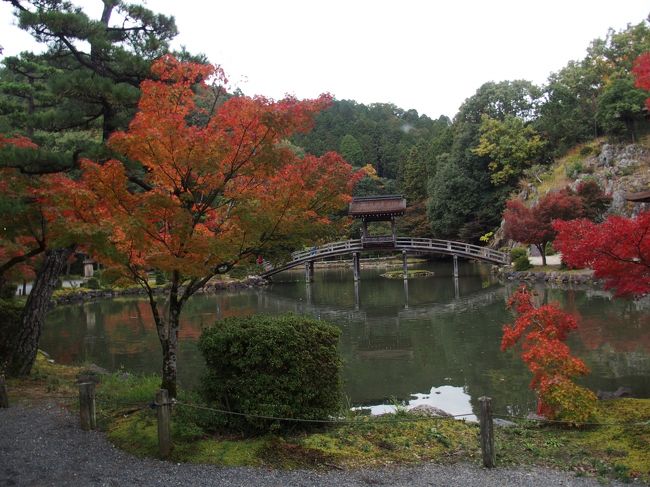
{"points": [[542, 332], [215, 184], [22, 225], [618, 250], [534, 226], [641, 71]]}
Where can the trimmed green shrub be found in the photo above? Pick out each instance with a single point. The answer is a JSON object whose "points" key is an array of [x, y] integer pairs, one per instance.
{"points": [[282, 366], [160, 278], [517, 252], [92, 283], [522, 263]]}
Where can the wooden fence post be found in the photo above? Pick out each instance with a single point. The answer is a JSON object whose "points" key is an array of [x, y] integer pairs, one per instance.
{"points": [[487, 432], [4, 397], [87, 406], [163, 407]]}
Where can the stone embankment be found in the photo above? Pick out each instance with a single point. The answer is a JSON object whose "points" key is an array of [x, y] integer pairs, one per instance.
{"points": [[585, 278], [82, 295]]}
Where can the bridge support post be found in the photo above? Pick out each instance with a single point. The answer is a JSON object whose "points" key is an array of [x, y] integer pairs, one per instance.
{"points": [[356, 266], [309, 271], [456, 288], [405, 265], [455, 266]]}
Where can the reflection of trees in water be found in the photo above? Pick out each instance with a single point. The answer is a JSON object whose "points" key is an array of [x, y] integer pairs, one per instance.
{"points": [[388, 350]]}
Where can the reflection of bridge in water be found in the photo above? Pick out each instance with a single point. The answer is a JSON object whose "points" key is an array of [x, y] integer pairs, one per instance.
{"points": [[381, 338], [475, 300]]}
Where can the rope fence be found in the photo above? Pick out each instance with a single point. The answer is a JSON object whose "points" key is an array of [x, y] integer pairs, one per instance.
{"points": [[163, 405]]}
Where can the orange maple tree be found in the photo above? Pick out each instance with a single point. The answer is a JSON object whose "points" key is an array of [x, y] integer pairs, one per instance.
{"points": [[542, 332], [219, 185]]}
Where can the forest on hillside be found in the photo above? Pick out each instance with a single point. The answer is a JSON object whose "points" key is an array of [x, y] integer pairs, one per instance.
{"points": [[457, 174]]}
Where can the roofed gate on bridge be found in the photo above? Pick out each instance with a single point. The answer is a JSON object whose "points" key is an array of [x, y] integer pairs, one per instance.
{"points": [[377, 209]]}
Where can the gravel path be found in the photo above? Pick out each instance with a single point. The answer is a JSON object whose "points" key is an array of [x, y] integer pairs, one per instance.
{"points": [[43, 446]]}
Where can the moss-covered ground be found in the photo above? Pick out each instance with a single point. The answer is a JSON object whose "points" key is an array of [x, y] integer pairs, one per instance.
{"points": [[123, 411]]}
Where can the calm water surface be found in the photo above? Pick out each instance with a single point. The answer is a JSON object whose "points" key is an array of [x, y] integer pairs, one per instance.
{"points": [[432, 341]]}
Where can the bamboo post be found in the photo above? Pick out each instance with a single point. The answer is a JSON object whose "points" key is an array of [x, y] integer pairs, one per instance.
{"points": [[4, 397], [163, 407], [487, 432], [87, 415]]}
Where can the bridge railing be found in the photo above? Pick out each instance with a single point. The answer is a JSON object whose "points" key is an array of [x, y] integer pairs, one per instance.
{"points": [[403, 243], [447, 246], [346, 245]]}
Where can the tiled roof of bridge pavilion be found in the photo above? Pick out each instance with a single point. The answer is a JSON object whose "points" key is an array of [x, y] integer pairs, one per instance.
{"points": [[377, 206]]}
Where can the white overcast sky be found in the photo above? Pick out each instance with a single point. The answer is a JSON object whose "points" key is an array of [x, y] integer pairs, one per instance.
{"points": [[428, 55]]}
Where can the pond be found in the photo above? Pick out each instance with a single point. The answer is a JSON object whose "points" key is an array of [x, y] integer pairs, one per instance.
{"points": [[431, 341]]}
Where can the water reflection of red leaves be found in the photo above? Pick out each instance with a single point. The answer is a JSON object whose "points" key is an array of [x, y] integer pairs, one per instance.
{"points": [[601, 330], [130, 329], [598, 332]]}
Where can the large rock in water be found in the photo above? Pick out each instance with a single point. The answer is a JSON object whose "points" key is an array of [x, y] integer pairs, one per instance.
{"points": [[426, 410], [620, 392]]}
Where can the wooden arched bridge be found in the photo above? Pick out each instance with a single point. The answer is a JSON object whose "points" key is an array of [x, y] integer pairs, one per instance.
{"points": [[403, 244], [386, 208]]}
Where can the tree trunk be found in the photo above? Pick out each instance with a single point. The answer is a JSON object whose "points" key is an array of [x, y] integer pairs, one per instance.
{"points": [[542, 252], [29, 334], [170, 351]]}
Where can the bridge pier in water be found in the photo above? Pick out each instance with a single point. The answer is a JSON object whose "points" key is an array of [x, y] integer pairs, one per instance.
{"points": [[455, 266], [405, 265]]}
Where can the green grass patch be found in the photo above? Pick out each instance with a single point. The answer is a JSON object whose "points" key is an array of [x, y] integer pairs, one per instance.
{"points": [[621, 452]]}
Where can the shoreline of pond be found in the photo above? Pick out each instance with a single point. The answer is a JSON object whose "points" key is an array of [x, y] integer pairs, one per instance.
{"points": [[553, 278], [583, 277]]}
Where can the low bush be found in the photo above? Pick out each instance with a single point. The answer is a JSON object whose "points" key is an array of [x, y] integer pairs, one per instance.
{"points": [[517, 252], [522, 263], [282, 366], [160, 278], [92, 283]]}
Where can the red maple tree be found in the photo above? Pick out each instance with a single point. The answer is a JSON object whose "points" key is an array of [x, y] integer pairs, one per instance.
{"points": [[618, 250], [220, 186], [641, 71], [542, 332], [533, 226]]}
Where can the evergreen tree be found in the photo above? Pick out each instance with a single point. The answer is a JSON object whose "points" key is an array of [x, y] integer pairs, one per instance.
{"points": [[87, 81]]}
